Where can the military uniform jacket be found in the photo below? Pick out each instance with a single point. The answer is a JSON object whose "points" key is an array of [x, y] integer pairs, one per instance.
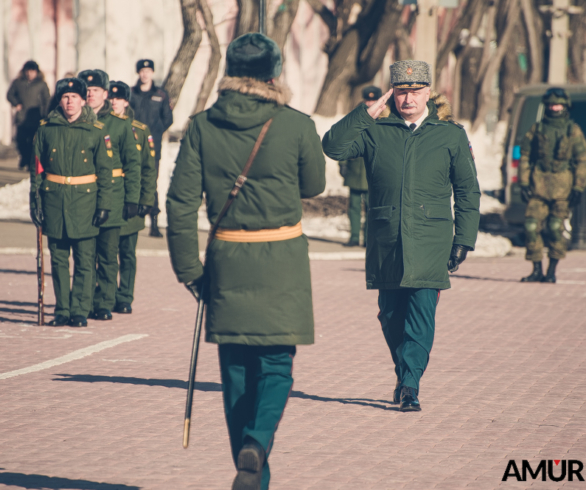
{"points": [[148, 173], [260, 293], [71, 150], [121, 145], [553, 159], [410, 180], [355, 177]]}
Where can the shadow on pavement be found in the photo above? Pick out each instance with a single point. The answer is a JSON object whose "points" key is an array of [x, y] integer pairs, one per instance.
{"points": [[13, 320], [17, 271], [366, 402], [42, 481], [18, 311], [167, 383], [476, 278]]}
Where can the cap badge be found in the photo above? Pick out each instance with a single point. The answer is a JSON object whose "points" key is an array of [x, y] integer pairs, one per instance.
{"points": [[70, 84], [409, 71], [90, 78], [146, 63], [371, 94], [114, 89]]}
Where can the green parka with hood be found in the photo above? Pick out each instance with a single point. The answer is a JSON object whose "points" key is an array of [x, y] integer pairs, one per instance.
{"points": [[260, 293], [410, 180], [71, 150]]}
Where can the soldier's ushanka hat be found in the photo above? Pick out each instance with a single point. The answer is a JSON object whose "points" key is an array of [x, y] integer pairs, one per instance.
{"points": [[140, 64], [119, 90], [410, 74], [70, 85], [254, 55], [95, 78], [371, 93]]}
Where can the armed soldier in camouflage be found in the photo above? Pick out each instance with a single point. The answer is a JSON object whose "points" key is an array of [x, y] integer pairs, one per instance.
{"points": [[552, 176]]}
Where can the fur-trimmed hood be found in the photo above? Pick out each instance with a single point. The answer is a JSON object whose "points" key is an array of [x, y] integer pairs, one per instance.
{"points": [[442, 104], [275, 92]]}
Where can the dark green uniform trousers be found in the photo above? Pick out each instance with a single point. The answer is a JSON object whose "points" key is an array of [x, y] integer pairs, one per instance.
{"points": [[107, 268], [127, 257], [355, 212], [76, 300], [256, 382], [407, 318]]}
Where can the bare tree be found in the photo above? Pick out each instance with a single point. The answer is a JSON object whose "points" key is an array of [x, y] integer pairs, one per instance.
{"points": [[577, 44], [280, 27]]}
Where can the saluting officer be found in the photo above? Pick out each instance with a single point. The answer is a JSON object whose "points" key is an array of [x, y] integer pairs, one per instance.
{"points": [[125, 192], [119, 94], [259, 306], [152, 107], [72, 174], [415, 155]]}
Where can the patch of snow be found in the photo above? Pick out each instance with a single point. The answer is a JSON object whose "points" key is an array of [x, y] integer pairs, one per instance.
{"points": [[14, 201], [488, 245], [335, 227]]}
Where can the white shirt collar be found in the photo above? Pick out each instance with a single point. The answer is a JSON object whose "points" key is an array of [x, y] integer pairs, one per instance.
{"points": [[420, 120]]}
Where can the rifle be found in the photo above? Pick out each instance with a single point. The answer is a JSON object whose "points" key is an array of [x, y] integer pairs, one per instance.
{"points": [[40, 276], [202, 290]]}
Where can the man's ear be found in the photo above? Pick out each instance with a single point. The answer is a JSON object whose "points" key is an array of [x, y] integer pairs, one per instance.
{"points": [[427, 93], [82, 102]]}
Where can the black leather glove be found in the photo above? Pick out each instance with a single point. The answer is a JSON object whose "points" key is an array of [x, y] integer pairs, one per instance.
{"points": [[194, 287], [100, 217], [526, 193], [143, 210], [37, 216], [575, 198], [457, 256], [130, 210]]}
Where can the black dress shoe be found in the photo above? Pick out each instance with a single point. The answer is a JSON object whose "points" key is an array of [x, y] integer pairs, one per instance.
{"points": [[409, 401], [397, 393], [59, 321], [102, 314], [78, 321], [251, 459], [123, 308]]}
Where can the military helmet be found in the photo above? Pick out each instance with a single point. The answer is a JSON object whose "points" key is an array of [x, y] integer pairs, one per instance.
{"points": [[556, 95]]}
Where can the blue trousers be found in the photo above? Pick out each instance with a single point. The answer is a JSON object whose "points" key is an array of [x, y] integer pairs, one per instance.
{"points": [[407, 318], [256, 383]]}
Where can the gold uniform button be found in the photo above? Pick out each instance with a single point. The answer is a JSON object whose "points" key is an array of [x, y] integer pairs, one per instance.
{"points": [[113, 181], [83, 151], [46, 188], [88, 190], [54, 150], [85, 159]]}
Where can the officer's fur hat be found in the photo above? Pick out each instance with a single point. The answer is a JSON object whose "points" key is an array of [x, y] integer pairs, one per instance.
{"points": [[95, 78], [254, 55], [140, 64], [70, 85], [410, 74], [119, 90], [371, 93]]}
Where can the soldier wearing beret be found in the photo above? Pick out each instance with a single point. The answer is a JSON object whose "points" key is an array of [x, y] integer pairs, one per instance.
{"points": [[119, 94], [71, 195], [354, 175], [125, 177], [152, 107], [415, 156], [259, 306]]}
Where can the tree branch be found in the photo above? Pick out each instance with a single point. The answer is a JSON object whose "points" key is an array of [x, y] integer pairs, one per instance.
{"points": [[326, 15]]}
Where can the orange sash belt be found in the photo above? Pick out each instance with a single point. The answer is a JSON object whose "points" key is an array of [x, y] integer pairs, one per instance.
{"points": [[117, 172], [80, 180], [254, 236]]}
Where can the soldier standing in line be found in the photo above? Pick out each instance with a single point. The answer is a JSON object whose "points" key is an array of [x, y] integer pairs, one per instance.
{"points": [[354, 175], [257, 269], [125, 192], [152, 107], [415, 156], [552, 176], [119, 94], [71, 191]]}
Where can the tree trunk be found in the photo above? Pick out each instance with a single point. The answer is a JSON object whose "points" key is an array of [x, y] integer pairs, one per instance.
{"points": [[214, 62], [577, 44], [247, 20], [189, 44], [533, 27], [512, 74], [281, 25]]}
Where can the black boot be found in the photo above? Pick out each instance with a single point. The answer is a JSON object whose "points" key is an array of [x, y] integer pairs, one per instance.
{"points": [[550, 276], [251, 459], [409, 400], [155, 228], [536, 275], [397, 392], [59, 321]]}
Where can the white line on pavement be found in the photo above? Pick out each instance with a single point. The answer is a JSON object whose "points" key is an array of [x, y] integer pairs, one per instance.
{"points": [[73, 356]]}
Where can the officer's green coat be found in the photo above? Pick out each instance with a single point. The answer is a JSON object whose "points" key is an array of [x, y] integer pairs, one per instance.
{"points": [[72, 150], [260, 293], [125, 156], [553, 159], [355, 177], [410, 179], [148, 173]]}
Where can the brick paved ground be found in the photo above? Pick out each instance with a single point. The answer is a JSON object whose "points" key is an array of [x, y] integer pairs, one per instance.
{"points": [[507, 380]]}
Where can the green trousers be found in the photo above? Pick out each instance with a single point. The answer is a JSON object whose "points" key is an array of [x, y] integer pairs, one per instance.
{"points": [[545, 216], [76, 300], [355, 212], [256, 383], [107, 268], [127, 259], [407, 318]]}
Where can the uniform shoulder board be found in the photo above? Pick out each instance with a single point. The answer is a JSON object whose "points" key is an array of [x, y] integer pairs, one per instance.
{"points": [[119, 116], [293, 109], [99, 125], [139, 125], [455, 123], [43, 122]]}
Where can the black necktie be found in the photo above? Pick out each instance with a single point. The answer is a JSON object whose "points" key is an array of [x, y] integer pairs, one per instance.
{"points": [[412, 126]]}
